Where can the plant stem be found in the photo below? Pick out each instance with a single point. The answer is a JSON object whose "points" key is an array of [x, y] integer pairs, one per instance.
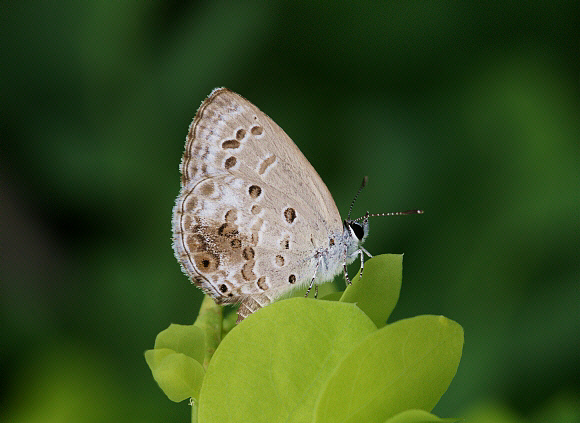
{"points": [[210, 321]]}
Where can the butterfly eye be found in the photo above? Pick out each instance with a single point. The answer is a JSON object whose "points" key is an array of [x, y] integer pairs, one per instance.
{"points": [[358, 230]]}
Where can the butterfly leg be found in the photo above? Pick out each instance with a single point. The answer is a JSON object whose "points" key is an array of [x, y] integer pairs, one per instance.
{"points": [[362, 252], [366, 252], [362, 263], [312, 283], [348, 282]]}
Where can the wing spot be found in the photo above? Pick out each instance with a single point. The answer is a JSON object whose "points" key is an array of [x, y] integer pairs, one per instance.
{"points": [[230, 144], [279, 260], [230, 162], [231, 216], [223, 288], [266, 164], [248, 270], [262, 283], [227, 229], [240, 134], [255, 191], [190, 203], [206, 262], [292, 279], [248, 253], [290, 215], [236, 243], [257, 130], [207, 189], [256, 209]]}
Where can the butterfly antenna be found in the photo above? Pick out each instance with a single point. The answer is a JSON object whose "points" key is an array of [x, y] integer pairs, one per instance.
{"points": [[403, 213], [364, 182]]}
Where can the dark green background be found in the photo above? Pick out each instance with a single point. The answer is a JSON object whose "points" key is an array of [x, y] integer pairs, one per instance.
{"points": [[467, 110]]}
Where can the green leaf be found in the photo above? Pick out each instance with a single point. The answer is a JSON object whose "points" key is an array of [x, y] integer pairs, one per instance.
{"points": [[179, 376], [377, 292], [271, 367], [333, 296], [185, 339], [418, 416], [155, 357], [406, 365]]}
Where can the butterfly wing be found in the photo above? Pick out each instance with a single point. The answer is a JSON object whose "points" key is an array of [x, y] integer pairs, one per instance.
{"points": [[252, 210]]}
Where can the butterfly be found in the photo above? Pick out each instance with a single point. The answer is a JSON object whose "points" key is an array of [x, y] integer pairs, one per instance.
{"points": [[253, 219]]}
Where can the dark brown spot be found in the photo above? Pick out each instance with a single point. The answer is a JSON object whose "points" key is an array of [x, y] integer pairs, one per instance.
{"points": [[248, 253], [290, 214], [206, 262], [231, 216], [227, 229], [331, 242], [223, 288], [240, 134], [257, 130], [236, 243], [248, 271], [230, 144], [292, 279], [255, 191], [266, 163], [279, 260], [230, 162], [262, 283], [206, 189], [256, 209], [204, 169], [286, 244]]}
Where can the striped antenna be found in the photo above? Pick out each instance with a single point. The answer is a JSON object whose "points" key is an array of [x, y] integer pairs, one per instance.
{"points": [[364, 182], [403, 213]]}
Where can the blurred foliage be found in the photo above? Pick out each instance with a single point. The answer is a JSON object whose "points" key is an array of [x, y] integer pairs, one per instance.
{"points": [[466, 110]]}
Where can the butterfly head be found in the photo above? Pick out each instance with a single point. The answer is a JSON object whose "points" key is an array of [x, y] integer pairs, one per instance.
{"points": [[358, 231], [355, 233]]}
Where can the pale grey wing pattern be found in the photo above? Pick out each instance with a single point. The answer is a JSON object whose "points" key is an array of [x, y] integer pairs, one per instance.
{"points": [[247, 191]]}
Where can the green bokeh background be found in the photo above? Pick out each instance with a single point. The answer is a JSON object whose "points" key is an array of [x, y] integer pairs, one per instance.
{"points": [[467, 110]]}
